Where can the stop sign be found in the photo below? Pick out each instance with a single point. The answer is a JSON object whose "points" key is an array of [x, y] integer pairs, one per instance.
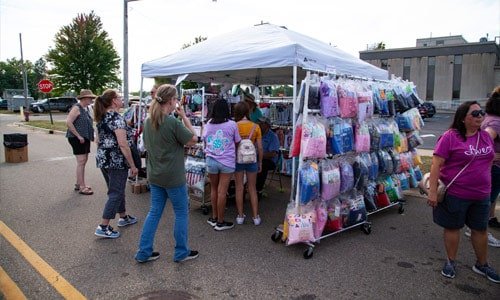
{"points": [[45, 86]]}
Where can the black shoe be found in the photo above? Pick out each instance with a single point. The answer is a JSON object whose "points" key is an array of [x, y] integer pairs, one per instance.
{"points": [[493, 222], [223, 226], [212, 221], [154, 256], [192, 255]]}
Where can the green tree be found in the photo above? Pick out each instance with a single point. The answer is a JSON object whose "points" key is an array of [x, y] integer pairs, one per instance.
{"points": [[12, 77], [84, 57], [377, 46], [197, 40]]}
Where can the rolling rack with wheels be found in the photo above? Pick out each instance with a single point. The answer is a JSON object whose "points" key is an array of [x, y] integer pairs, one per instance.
{"points": [[298, 214], [385, 159]]}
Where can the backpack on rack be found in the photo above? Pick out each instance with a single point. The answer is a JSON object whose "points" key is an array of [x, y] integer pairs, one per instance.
{"points": [[246, 153]]}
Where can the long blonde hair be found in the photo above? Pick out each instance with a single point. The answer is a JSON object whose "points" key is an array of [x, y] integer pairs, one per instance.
{"points": [[102, 103], [164, 94]]}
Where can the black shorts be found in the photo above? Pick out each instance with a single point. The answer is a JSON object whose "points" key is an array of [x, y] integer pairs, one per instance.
{"points": [[78, 148]]}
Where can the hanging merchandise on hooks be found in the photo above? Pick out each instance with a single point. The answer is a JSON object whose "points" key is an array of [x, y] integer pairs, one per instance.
{"points": [[354, 141]]}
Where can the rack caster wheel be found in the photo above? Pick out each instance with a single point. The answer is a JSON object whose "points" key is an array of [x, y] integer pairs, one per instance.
{"points": [[204, 210], [276, 237], [401, 209], [308, 253], [367, 228]]}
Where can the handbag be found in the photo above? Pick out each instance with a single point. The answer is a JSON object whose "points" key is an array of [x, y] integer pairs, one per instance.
{"points": [[424, 184]]}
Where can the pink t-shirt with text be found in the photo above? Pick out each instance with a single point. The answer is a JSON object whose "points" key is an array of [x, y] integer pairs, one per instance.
{"points": [[475, 181]]}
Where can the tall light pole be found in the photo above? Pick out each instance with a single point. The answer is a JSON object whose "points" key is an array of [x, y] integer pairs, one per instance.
{"points": [[125, 51]]}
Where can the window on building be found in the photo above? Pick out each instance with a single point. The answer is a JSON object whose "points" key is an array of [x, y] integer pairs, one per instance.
{"points": [[457, 76], [439, 42], [431, 72], [384, 64], [425, 44], [406, 68]]}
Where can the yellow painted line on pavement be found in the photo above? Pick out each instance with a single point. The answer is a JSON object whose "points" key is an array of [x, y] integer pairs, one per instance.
{"points": [[9, 288], [55, 279]]}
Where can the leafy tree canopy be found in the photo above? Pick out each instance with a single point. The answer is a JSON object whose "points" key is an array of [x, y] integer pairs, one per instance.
{"points": [[84, 57], [12, 77]]}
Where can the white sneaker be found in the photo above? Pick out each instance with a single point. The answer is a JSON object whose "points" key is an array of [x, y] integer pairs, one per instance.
{"points": [[492, 241], [240, 220], [257, 221], [467, 232]]}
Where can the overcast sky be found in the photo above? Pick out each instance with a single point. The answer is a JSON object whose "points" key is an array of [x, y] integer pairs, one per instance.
{"points": [[160, 27]]}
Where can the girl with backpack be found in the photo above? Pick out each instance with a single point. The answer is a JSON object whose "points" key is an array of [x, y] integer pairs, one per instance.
{"points": [[249, 161]]}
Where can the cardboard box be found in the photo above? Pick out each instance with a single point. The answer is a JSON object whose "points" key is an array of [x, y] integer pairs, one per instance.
{"points": [[16, 155]]}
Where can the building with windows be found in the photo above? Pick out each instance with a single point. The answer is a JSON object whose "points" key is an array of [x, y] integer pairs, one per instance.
{"points": [[443, 68]]}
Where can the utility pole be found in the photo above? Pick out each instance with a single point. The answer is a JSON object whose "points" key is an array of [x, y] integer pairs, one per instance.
{"points": [[125, 51], [26, 110]]}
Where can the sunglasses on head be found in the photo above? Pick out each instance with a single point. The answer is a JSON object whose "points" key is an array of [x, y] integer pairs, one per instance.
{"points": [[477, 113]]}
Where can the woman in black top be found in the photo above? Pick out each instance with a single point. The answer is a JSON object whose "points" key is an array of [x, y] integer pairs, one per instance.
{"points": [[80, 133]]}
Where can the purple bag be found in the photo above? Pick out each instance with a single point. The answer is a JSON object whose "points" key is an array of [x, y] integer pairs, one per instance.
{"points": [[328, 99]]}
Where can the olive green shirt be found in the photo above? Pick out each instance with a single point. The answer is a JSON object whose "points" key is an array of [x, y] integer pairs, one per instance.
{"points": [[165, 147]]}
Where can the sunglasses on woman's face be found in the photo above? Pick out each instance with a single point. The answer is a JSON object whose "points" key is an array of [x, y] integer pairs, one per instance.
{"points": [[477, 113]]}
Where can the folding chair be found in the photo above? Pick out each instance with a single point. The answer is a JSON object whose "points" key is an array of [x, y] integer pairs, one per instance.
{"points": [[277, 171]]}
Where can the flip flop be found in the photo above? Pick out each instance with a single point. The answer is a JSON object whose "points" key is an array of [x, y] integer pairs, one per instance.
{"points": [[77, 187], [86, 191]]}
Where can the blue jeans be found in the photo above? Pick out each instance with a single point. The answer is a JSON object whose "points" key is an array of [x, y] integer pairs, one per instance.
{"points": [[116, 180], [180, 203]]}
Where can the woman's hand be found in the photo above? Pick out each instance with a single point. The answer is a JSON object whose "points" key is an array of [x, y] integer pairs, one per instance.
{"points": [[180, 111], [432, 200], [81, 139], [260, 167], [134, 171]]}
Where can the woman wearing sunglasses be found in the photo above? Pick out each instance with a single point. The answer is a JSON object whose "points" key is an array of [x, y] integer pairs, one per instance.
{"points": [[463, 157]]}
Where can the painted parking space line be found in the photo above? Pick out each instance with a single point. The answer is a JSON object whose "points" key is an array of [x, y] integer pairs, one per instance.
{"points": [[52, 276], [8, 288]]}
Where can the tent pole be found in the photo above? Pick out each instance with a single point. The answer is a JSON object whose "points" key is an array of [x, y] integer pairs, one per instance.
{"points": [[140, 105], [293, 126]]}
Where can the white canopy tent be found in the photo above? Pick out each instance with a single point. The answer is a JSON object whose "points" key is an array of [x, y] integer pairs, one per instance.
{"points": [[260, 55]]}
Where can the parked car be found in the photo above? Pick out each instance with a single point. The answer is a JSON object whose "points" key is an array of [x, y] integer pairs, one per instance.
{"points": [[3, 103], [427, 110], [61, 103]]}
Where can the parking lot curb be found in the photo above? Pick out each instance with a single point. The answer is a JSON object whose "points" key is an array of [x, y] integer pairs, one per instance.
{"points": [[34, 128]]}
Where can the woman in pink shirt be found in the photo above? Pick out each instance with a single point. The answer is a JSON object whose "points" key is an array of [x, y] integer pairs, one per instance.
{"points": [[467, 200]]}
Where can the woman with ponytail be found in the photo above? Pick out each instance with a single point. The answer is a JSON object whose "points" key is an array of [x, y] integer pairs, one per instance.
{"points": [[114, 158], [164, 138]]}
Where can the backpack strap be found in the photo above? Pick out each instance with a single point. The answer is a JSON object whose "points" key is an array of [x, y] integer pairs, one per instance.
{"points": [[251, 132]]}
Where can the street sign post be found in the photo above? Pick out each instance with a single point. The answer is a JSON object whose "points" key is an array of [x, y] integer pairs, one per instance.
{"points": [[45, 86]]}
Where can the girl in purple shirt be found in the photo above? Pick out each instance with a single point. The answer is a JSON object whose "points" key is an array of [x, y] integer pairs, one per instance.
{"points": [[220, 135], [467, 199]]}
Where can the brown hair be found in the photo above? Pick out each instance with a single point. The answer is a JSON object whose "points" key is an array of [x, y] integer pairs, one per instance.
{"points": [[241, 110], [102, 103], [164, 94]]}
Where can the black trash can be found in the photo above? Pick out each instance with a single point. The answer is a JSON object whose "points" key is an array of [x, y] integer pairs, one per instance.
{"points": [[16, 147]]}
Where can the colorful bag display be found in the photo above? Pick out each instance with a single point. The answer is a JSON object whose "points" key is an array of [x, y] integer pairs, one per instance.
{"points": [[330, 179], [309, 182], [329, 99], [313, 140]]}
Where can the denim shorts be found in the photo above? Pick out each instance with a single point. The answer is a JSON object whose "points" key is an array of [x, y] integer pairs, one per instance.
{"points": [[251, 168], [454, 212], [215, 167]]}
